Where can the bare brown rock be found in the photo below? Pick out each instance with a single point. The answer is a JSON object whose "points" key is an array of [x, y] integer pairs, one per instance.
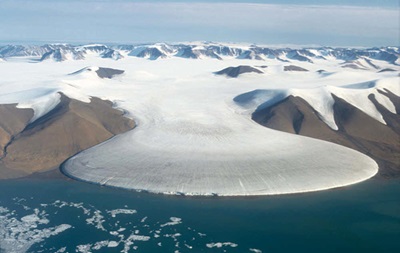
{"points": [[12, 121], [68, 129]]}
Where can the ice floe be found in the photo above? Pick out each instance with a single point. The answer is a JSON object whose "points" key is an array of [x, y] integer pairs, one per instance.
{"points": [[174, 221], [115, 212], [97, 219], [221, 244], [21, 230]]}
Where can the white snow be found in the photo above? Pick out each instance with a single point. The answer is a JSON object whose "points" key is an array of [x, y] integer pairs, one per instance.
{"points": [[42, 105], [191, 137], [357, 95], [321, 100]]}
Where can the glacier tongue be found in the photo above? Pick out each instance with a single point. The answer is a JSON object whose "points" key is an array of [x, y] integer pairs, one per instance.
{"points": [[234, 157]]}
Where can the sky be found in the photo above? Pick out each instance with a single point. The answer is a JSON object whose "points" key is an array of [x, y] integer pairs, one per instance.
{"points": [[269, 22]]}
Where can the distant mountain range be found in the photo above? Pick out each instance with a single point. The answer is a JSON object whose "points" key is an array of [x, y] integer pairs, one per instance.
{"points": [[353, 57]]}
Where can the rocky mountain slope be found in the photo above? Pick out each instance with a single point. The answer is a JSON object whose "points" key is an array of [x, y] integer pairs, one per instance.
{"points": [[72, 126], [341, 121]]}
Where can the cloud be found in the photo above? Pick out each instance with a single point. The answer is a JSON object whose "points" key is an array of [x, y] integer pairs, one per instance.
{"points": [[176, 21]]}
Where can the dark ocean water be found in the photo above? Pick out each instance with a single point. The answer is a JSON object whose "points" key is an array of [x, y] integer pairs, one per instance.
{"points": [[57, 215]]}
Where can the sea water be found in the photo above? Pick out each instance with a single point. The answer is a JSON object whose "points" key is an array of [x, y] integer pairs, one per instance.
{"points": [[57, 215]]}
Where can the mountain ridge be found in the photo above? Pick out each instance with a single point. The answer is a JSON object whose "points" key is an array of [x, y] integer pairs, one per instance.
{"points": [[219, 51]]}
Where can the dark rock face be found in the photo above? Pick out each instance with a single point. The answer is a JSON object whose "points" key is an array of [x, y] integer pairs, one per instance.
{"points": [[190, 52], [96, 48], [108, 72], [60, 54], [187, 52], [48, 55], [152, 53], [210, 50], [210, 53], [353, 66], [249, 54], [357, 130], [70, 127], [294, 68], [112, 54], [236, 71], [295, 55], [386, 70], [101, 72], [224, 50]]}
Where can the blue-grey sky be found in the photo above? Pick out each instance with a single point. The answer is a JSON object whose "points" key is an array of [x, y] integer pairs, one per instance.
{"points": [[317, 22]]}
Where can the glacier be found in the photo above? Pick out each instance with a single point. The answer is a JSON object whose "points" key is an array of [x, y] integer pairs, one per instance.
{"points": [[192, 137], [236, 157]]}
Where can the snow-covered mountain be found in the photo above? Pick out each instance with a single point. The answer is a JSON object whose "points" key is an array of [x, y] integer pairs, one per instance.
{"points": [[351, 57], [112, 54], [19, 50], [63, 54], [321, 99]]}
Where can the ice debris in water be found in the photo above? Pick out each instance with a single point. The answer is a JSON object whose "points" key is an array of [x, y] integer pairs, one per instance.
{"points": [[18, 235]]}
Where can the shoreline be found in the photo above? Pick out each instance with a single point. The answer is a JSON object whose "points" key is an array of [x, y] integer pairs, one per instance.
{"points": [[56, 174]]}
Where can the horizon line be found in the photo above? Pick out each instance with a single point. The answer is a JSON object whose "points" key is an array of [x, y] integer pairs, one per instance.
{"points": [[34, 42]]}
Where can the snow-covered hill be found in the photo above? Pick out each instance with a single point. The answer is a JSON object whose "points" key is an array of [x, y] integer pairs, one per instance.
{"points": [[195, 133], [322, 101]]}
